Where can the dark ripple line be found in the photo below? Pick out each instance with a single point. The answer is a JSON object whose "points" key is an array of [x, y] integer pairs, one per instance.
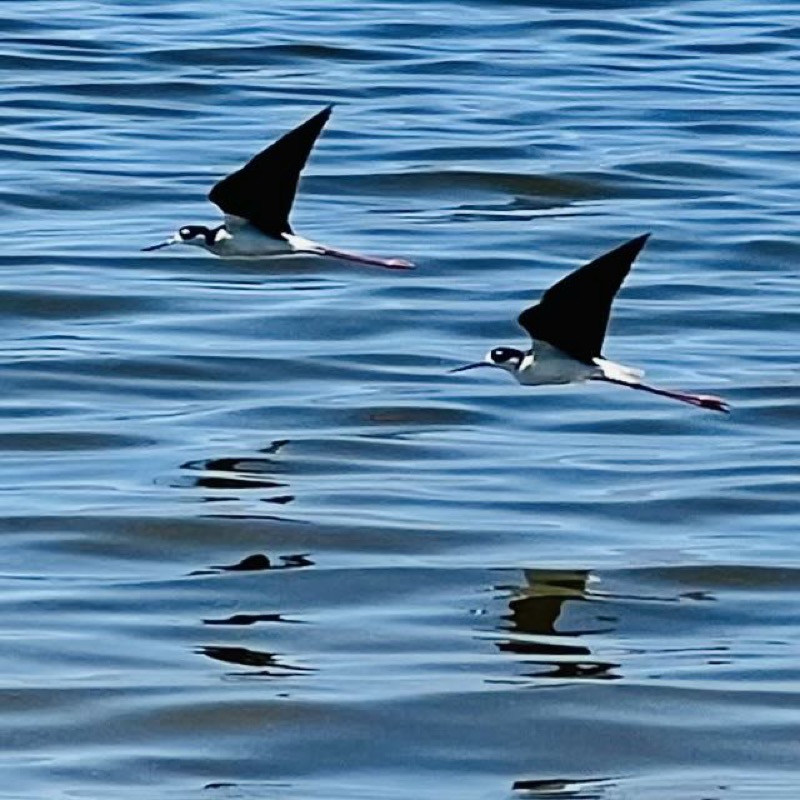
{"points": [[247, 55]]}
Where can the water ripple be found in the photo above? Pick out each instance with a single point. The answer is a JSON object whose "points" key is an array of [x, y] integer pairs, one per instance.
{"points": [[257, 541]]}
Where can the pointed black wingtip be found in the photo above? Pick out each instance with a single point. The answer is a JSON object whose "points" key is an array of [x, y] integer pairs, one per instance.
{"points": [[314, 124], [324, 114], [621, 258], [616, 262], [634, 246]]}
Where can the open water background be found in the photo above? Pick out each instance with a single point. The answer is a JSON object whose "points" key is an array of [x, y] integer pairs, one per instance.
{"points": [[256, 542]]}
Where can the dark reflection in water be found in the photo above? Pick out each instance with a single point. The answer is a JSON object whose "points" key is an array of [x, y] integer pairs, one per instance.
{"points": [[562, 788], [251, 619], [248, 787], [233, 474], [257, 563], [533, 625], [271, 664], [519, 209]]}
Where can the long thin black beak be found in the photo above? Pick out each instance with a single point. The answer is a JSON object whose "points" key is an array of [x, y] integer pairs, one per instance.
{"points": [[157, 246], [469, 366]]}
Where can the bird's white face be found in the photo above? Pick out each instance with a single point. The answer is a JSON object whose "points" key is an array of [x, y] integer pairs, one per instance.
{"points": [[507, 358]]}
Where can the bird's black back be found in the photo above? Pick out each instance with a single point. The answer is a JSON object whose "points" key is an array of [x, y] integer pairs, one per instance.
{"points": [[263, 190], [573, 314]]}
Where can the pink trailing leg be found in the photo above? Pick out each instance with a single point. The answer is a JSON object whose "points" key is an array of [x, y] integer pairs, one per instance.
{"points": [[708, 401], [386, 263]]}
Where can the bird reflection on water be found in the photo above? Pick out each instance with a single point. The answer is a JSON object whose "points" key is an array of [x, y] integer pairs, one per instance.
{"points": [[534, 633], [225, 477], [562, 788], [258, 562], [251, 619], [271, 664], [239, 484]]}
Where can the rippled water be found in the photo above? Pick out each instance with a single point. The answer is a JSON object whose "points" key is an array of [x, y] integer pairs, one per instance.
{"points": [[258, 543]]}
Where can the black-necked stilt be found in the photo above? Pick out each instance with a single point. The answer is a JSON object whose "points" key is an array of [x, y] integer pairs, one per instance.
{"points": [[568, 327], [257, 200]]}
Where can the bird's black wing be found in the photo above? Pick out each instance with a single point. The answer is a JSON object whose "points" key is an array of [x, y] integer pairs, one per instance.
{"points": [[573, 314], [263, 190]]}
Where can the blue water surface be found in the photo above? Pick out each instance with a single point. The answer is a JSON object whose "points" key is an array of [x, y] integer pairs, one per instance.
{"points": [[257, 542]]}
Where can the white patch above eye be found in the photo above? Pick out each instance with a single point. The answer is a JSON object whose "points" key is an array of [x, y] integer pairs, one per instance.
{"points": [[185, 232]]}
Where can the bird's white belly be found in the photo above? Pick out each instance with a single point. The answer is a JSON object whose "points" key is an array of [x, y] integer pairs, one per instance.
{"points": [[547, 365], [248, 242]]}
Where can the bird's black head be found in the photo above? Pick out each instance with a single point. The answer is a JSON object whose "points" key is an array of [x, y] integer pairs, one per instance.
{"points": [[197, 235], [505, 357], [190, 233]]}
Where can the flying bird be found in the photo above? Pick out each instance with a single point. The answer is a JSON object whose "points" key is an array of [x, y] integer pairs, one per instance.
{"points": [[568, 326], [257, 200]]}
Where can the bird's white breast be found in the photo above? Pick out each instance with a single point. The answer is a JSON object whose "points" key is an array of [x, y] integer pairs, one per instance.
{"points": [[546, 364], [246, 241]]}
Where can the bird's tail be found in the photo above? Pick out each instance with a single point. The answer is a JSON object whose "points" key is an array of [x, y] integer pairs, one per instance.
{"points": [[618, 372]]}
